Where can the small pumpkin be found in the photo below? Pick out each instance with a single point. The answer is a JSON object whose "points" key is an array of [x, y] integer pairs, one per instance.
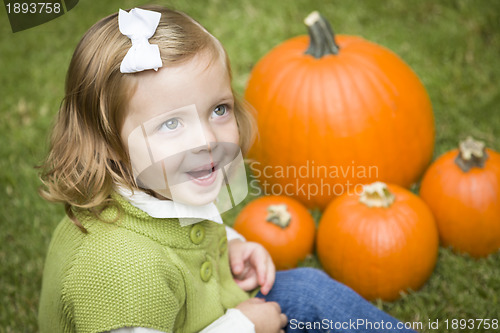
{"points": [[380, 243], [334, 111], [462, 188], [282, 225]]}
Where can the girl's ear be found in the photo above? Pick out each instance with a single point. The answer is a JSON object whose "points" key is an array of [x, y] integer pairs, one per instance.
{"points": [[113, 156], [119, 162]]}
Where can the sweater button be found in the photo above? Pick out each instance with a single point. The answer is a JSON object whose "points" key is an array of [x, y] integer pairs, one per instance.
{"points": [[206, 271], [197, 234], [222, 245]]}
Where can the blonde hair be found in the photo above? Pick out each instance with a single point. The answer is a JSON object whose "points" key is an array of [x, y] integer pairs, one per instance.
{"points": [[86, 155]]}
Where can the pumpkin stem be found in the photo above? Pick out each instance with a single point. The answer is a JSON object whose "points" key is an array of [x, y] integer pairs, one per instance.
{"points": [[279, 215], [377, 195], [472, 154], [322, 38]]}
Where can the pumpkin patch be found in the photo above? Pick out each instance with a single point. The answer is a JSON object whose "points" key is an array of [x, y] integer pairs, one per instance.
{"points": [[462, 188], [340, 101], [380, 243], [337, 112]]}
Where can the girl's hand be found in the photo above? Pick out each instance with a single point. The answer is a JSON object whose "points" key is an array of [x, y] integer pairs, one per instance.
{"points": [[266, 316], [251, 265]]}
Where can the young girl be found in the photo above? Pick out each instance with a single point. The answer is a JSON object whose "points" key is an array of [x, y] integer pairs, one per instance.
{"points": [[146, 143]]}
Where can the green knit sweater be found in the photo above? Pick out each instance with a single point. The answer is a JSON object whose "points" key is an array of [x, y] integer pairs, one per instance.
{"points": [[136, 272]]}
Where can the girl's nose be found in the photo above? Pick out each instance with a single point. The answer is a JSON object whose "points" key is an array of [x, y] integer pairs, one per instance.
{"points": [[210, 140]]}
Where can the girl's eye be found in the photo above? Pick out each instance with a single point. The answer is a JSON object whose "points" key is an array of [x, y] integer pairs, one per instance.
{"points": [[220, 110], [170, 124]]}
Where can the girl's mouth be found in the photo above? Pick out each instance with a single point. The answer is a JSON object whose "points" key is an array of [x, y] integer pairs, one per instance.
{"points": [[204, 175]]}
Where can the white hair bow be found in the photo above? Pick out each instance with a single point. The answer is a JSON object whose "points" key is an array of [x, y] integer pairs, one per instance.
{"points": [[139, 25]]}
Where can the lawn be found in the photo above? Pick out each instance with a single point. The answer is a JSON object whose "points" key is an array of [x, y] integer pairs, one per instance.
{"points": [[453, 46]]}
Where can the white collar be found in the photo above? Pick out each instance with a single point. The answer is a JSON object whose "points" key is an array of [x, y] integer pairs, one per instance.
{"points": [[157, 208]]}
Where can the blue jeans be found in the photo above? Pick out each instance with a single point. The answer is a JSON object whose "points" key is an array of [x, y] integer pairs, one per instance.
{"points": [[314, 302]]}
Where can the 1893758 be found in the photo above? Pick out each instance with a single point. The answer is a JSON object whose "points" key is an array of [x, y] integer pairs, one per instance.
{"points": [[33, 8]]}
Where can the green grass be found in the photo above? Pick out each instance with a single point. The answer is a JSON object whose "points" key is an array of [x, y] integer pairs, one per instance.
{"points": [[453, 45]]}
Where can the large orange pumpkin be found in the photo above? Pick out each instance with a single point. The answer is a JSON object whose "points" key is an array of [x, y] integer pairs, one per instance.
{"points": [[379, 243], [282, 225], [462, 188], [334, 112]]}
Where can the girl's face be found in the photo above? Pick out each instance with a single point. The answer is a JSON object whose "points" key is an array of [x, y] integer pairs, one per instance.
{"points": [[181, 131]]}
